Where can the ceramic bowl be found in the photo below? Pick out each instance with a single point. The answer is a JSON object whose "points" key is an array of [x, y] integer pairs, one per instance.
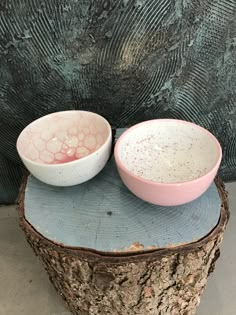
{"points": [[66, 148], [167, 162]]}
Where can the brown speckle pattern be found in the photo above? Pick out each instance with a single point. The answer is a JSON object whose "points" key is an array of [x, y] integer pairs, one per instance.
{"points": [[168, 152]]}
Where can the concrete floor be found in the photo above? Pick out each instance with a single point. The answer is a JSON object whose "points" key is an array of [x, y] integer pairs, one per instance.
{"points": [[25, 288]]}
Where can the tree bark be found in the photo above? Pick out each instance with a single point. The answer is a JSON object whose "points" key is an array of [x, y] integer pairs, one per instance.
{"points": [[166, 281]]}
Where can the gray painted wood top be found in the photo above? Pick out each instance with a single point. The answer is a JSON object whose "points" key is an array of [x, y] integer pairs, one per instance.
{"points": [[103, 215]]}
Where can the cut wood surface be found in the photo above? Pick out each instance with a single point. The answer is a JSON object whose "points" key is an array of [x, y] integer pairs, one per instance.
{"points": [[164, 281], [103, 215]]}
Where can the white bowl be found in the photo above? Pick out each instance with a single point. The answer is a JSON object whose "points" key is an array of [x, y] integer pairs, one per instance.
{"points": [[66, 148]]}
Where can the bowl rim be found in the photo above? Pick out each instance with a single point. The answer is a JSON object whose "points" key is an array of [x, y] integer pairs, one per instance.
{"points": [[169, 184], [108, 139]]}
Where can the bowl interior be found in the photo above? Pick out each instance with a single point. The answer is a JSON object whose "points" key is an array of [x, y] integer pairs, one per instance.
{"points": [[63, 137], [168, 151]]}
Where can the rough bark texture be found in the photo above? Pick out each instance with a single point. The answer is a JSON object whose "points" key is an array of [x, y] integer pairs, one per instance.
{"points": [[166, 281]]}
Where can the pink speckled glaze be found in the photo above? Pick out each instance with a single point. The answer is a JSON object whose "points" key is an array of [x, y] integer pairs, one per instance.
{"points": [[167, 162], [74, 144]]}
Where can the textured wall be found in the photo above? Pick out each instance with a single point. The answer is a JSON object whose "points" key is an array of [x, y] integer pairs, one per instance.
{"points": [[129, 60]]}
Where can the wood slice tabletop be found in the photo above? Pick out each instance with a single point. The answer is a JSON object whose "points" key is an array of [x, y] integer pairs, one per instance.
{"points": [[104, 215]]}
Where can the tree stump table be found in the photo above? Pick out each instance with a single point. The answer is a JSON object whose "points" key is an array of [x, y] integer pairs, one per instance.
{"points": [[109, 253]]}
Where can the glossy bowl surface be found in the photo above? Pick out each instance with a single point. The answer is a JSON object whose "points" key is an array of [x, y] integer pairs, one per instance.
{"points": [[66, 148], [167, 162]]}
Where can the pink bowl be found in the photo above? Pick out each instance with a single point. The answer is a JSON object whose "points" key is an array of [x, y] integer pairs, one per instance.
{"points": [[167, 162]]}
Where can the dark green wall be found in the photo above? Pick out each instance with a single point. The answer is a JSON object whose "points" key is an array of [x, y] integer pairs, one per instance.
{"points": [[129, 60]]}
